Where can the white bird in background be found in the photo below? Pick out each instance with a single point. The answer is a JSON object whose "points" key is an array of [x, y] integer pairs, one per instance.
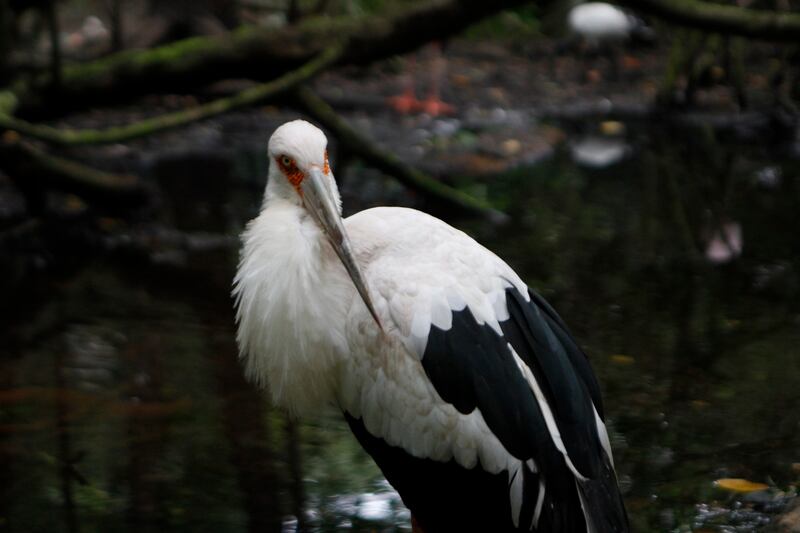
{"points": [[602, 28], [463, 384], [599, 22]]}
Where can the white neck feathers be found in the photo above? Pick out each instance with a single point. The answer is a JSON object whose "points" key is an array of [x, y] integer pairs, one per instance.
{"points": [[292, 297]]}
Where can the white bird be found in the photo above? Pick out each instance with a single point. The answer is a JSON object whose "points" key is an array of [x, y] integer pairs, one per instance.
{"points": [[598, 22], [463, 384]]}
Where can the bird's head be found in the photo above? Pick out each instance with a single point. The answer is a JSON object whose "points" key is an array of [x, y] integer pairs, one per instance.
{"points": [[300, 173], [298, 158]]}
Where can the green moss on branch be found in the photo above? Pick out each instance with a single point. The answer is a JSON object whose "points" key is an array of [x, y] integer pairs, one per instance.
{"points": [[30, 167], [245, 98], [758, 24], [254, 53]]}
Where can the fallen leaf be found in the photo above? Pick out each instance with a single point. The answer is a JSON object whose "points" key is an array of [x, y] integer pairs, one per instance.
{"points": [[739, 485], [498, 94], [699, 404], [460, 80], [717, 73], [612, 127], [73, 204], [512, 146], [553, 135], [108, 223], [631, 63], [10, 136], [621, 359]]}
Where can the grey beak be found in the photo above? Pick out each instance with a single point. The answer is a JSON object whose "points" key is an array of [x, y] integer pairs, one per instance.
{"points": [[318, 200]]}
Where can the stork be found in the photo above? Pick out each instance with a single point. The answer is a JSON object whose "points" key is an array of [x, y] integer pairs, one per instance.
{"points": [[462, 383], [602, 27], [600, 21]]}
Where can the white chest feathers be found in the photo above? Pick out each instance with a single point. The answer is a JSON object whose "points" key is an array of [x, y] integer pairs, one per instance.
{"points": [[292, 297]]}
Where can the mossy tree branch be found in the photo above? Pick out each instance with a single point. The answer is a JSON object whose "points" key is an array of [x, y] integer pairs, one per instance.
{"points": [[386, 162], [31, 167], [289, 57], [727, 19], [23, 159], [264, 54], [245, 98], [250, 52]]}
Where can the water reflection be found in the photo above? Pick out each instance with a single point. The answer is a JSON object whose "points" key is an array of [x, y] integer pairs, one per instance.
{"points": [[725, 243], [598, 152], [122, 404]]}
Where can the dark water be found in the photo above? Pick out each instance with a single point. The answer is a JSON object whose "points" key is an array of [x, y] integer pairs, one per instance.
{"points": [[123, 408]]}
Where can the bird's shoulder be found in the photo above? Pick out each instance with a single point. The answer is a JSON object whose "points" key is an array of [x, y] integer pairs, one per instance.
{"points": [[420, 269], [404, 244], [381, 227]]}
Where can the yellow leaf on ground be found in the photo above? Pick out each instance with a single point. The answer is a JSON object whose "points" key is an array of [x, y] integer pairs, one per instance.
{"points": [[700, 404], [739, 485], [612, 127], [511, 146], [10, 136], [622, 359]]}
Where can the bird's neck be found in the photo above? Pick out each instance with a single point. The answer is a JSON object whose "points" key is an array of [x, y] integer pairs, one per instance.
{"points": [[292, 299]]}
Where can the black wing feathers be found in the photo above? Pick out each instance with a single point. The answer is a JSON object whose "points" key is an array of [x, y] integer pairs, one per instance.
{"points": [[442, 497], [576, 356], [471, 367], [604, 502], [567, 395], [542, 340]]}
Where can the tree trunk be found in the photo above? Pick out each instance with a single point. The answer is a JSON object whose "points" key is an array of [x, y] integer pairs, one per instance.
{"points": [[115, 14], [51, 15], [5, 38]]}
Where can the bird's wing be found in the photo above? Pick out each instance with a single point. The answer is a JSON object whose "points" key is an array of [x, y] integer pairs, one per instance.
{"points": [[495, 351]]}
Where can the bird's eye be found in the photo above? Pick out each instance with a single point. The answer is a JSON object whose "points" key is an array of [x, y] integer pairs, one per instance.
{"points": [[287, 161]]}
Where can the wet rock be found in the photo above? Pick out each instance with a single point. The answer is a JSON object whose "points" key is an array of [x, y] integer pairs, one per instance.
{"points": [[769, 177], [788, 521], [12, 203], [92, 356]]}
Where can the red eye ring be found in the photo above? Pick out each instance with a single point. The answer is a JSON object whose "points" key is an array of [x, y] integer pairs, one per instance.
{"points": [[290, 170]]}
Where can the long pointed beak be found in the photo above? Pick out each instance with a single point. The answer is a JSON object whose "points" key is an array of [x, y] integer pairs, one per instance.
{"points": [[319, 202]]}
